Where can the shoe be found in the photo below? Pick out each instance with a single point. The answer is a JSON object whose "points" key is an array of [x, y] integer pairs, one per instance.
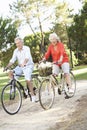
{"points": [[71, 91], [33, 98]]}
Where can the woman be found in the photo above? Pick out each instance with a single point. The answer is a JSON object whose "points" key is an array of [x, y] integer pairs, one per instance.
{"points": [[57, 51]]}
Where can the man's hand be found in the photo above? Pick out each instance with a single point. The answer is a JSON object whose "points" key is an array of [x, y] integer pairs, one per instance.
{"points": [[5, 69], [22, 65]]}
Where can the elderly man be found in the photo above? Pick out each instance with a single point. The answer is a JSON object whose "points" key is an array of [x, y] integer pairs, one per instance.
{"points": [[25, 63]]}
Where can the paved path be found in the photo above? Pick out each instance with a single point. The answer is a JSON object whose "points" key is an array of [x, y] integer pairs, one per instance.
{"points": [[33, 117], [80, 71]]}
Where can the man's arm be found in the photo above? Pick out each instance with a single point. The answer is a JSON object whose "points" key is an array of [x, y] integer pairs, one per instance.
{"points": [[8, 66], [24, 63]]}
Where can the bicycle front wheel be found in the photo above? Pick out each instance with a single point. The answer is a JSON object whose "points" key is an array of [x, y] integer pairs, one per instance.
{"points": [[46, 94], [36, 86], [73, 85], [11, 99]]}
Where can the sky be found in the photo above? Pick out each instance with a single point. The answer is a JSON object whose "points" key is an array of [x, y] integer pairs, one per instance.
{"points": [[4, 11]]}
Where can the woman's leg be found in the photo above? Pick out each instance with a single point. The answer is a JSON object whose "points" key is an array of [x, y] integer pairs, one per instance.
{"points": [[66, 70]]}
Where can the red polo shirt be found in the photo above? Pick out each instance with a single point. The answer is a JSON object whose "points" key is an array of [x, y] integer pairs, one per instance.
{"points": [[56, 53]]}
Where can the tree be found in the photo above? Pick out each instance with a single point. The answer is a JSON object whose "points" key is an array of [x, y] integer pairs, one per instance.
{"points": [[34, 13], [78, 33], [8, 32], [63, 19]]}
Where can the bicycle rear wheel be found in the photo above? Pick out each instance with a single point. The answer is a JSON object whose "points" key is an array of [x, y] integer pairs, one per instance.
{"points": [[11, 99], [46, 94], [73, 85]]}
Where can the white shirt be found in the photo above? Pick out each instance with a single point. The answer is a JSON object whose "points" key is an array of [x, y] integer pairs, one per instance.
{"points": [[21, 55]]}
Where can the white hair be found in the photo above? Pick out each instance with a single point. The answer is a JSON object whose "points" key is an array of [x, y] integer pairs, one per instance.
{"points": [[54, 35], [18, 38]]}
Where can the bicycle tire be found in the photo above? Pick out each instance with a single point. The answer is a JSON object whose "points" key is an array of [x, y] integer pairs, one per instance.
{"points": [[11, 99], [46, 94], [36, 86], [73, 84]]}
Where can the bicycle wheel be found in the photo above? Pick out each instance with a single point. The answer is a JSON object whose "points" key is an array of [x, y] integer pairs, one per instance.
{"points": [[11, 99], [73, 85], [46, 94], [36, 86]]}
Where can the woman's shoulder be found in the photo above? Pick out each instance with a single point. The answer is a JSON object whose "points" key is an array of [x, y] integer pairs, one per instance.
{"points": [[60, 44]]}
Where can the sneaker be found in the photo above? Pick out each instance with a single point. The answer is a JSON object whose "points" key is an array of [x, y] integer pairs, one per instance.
{"points": [[71, 90], [33, 98]]}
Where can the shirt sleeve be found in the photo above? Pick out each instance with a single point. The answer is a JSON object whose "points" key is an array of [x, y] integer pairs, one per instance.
{"points": [[28, 54], [47, 54], [14, 58]]}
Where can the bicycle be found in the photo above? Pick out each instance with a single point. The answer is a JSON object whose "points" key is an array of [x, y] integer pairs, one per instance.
{"points": [[12, 93], [47, 88]]}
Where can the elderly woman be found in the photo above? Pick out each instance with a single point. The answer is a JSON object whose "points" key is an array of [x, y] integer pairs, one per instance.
{"points": [[57, 51]]}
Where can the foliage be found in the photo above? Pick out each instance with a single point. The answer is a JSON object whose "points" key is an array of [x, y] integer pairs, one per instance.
{"points": [[63, 19], [34, 43], [6, 56], [35, 47], [78, 34], [33, 13], [7, 32]]}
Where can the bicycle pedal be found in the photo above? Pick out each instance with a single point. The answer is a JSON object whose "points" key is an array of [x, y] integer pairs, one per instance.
{"points": [[34, 88]]}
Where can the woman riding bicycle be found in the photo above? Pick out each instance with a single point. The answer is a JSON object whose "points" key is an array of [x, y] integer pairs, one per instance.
{"points": [[57, 51]]}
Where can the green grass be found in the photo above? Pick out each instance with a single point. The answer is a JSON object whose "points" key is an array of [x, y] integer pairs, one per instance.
{"points": [[79, 67], [81, 76]]}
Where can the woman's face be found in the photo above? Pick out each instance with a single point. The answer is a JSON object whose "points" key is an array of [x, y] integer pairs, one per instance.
{"points": [[53, 41]]}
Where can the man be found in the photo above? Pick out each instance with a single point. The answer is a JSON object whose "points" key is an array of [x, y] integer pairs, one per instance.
{"points": [[25, 63], [57, 51]]}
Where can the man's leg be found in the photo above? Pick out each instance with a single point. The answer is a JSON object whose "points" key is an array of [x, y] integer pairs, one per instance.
{"points": [[17, 71], [30, 85], [10, 74], [28, 72]]}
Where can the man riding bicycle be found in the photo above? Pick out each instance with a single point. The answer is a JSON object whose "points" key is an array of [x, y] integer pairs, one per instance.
{"points": [[25, 64]]}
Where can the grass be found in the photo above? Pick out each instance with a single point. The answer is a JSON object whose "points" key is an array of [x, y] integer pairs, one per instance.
{"points": [[80, 67], [82, 76]]}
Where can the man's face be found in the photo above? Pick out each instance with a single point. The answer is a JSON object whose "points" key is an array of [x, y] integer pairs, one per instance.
{"points": [[19, 44]]}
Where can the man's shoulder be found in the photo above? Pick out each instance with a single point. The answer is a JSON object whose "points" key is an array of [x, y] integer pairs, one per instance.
{"points": [[26, 47], [15, 50]]}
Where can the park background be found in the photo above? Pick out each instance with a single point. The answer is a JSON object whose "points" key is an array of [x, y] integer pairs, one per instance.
{"points": [[41, 18]]}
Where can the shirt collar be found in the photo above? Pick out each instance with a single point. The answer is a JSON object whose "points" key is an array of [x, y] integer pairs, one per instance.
{"points": [[21, 49]]}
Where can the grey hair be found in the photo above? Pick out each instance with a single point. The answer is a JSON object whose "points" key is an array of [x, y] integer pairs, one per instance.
{"points": [[18, 38], [54, 35]]}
